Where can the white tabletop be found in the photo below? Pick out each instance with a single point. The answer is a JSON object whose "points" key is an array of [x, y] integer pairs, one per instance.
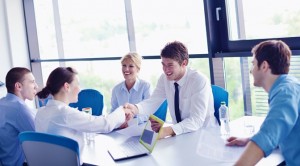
{"points": [[178, 150]]}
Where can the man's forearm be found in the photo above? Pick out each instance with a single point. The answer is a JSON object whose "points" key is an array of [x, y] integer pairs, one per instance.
{"points": [[251, 155], [166, 131]]}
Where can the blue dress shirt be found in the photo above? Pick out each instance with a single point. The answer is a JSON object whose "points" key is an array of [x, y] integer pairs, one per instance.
{"points": [[15, 117], [282, 124], [120, 95]]}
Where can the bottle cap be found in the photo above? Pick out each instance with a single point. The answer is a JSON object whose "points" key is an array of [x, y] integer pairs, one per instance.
{"points": [[223, 103]]}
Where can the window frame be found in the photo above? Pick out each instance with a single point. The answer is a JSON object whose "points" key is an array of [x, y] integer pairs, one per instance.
{"points": [[218, 43]]}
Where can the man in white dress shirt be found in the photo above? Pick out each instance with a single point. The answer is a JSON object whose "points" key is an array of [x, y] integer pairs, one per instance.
{"points": [[196, 105]]}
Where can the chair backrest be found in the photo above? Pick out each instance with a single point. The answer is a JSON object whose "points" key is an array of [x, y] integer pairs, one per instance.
{"points": [[220, 94], [89, 98], [162, 111], [43, 102], [48, 150]]}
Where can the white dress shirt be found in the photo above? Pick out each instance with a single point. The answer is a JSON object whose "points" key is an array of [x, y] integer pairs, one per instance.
{"points": [[60, 119], [196, 102]]}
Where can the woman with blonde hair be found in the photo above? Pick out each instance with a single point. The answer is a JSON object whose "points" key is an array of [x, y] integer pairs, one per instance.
{"points": [[132, 89]]}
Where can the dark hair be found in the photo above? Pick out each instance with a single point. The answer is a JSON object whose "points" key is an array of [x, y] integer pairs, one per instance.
{"points": [[57, 78], [13, 76], [276, 53], [176, 51]]}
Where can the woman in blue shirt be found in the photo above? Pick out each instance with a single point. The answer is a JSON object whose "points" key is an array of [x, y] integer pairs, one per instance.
{"points": [[132, 89]]}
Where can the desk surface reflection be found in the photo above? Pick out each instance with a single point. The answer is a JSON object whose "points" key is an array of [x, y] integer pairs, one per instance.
{"points": [[178, 150]]}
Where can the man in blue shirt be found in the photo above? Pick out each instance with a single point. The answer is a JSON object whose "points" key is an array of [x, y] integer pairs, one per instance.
{"points": [[271, 61], [15, 115]]}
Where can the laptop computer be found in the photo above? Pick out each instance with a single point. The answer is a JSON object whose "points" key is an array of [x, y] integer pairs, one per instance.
{"points": [[141, 147]]}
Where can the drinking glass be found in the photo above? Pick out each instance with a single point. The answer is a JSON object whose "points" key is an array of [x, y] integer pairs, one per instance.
{"points": [[249, 128]]}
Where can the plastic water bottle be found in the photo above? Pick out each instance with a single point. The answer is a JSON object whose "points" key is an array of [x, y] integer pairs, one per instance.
{"points": [[224, 119]]}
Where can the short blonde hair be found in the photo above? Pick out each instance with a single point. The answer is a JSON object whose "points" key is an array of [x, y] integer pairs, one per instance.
{"points": [[135, 57]]}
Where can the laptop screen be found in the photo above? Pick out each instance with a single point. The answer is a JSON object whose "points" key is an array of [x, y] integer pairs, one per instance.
{"points": [[151, 132]]}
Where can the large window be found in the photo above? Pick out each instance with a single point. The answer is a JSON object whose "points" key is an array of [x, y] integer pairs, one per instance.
{"points": [[158, 22], [81, 29], [92, 35], [259, 19], [94, 74], [82, 34]]}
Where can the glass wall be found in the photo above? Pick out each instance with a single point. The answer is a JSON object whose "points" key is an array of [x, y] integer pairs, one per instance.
{"points": [[104, 75], [110, 29], [259, 19], [93, 35], [157, 22], [80, 29]]}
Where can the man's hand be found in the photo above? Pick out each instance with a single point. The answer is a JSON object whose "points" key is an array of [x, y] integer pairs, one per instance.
{"points": [[234, 141], [131, 107], [155, 125], [124, 125], [128, 116], [166, 132]]}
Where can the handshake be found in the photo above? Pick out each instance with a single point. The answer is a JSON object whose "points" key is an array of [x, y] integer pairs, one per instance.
{"points": [[130, 111]]}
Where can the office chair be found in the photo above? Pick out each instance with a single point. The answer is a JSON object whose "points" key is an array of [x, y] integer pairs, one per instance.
{"points": [[48, 150], [89, 98], [220, 94], [162, 111], [43, 102]]}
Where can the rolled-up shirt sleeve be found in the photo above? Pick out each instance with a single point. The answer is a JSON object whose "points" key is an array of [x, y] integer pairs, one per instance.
{"points": [[281, 119]]}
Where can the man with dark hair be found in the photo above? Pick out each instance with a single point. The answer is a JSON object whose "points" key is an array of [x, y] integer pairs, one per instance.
{"points": [[15, 115], [188, 93], [271, 61]]}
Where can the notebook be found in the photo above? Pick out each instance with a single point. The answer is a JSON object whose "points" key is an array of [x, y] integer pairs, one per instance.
{"points": [[141, 147]]}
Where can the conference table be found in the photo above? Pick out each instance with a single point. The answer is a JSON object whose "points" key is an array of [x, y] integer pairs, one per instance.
{"points": [[202, 147]]}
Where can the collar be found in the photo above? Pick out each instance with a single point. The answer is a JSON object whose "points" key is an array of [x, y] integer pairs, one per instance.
{"points": [[277, 82], [135, 86], [182, 81], [12, 96], [55, 102]]}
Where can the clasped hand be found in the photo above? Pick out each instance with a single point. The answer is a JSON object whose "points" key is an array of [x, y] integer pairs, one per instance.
{"points": [[129, 114]]}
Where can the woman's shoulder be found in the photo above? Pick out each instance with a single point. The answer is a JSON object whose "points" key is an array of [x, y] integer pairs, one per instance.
{"points": [[118, 86], [144, 83]]}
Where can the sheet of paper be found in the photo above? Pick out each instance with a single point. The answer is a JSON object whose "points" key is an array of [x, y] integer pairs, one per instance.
{"points": [[212, 145], [133, 130], [133, 121]]}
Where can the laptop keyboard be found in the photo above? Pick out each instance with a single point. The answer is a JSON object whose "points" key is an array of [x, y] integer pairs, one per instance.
{"points": [[133, 148]]}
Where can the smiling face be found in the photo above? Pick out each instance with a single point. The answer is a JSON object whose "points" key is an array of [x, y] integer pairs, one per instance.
{"points": [[27, 87], [129, 70], [172, 69]]}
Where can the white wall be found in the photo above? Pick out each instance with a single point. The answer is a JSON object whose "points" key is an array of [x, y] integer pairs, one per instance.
{"points": [[13, 42]]}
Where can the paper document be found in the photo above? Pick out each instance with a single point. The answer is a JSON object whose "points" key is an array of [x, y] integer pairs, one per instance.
{"points": [[211, 145], [132, 130]]}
